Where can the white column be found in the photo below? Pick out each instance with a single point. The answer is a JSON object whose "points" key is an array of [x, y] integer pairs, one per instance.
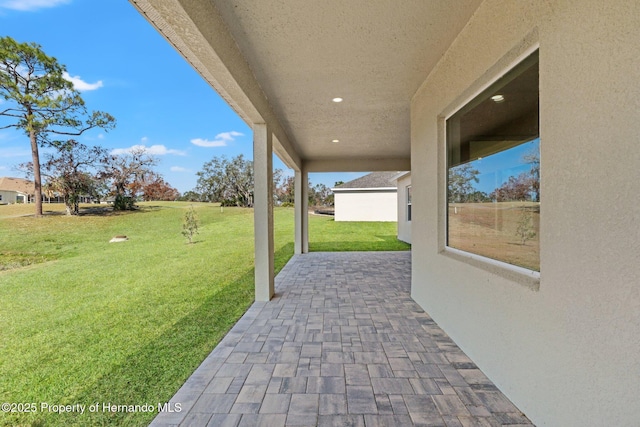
{"points": [[301, 215], [297, 202], [263, 211], [305, 209]]}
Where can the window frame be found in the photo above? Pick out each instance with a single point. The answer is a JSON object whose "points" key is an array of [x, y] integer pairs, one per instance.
{"points": [[526, 277], [408, 196]]}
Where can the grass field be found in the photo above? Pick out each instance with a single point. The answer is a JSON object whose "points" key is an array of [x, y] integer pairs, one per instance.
{"points": [[85, 321], [490, 230]]}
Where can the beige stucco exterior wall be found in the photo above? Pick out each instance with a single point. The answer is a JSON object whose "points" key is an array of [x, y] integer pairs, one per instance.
{"points": [[7, 197], [404, 226], [568, 353], [366, 205]]}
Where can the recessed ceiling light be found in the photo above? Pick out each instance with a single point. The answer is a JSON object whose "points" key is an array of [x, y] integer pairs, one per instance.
{"points": [[497, 98], [337, 99], [335, 140]]}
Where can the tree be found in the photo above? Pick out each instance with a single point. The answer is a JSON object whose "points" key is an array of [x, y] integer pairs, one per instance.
{"points": [[284, 188], [525, 229], [190, 196], [320, 195], [128, 172], [533, 159], [41, 101], [231, 183], [517, 188], [68, 171], [460, 184], [155, 188], [190, 224], [478, 197], [227, 181]]}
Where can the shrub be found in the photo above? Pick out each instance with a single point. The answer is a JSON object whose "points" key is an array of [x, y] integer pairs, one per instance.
{"points": [[123, 203], [190, 224], [525, 230]]}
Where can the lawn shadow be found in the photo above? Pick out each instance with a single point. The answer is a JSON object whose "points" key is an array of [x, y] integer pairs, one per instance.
{"points": [[383, 243], [154, 373], [109, 211]]}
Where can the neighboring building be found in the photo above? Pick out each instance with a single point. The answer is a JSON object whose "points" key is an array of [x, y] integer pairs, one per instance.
{"points": [[405, 211], [372, 197], [15, 190]]}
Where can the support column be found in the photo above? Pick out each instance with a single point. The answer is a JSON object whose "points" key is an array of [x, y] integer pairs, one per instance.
{"points": [[263, 211], [305, 209], [301, 212]]}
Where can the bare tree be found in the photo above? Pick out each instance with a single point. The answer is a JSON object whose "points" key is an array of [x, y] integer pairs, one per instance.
{"points": [[127, 173], [69, 171], [533, 159]]}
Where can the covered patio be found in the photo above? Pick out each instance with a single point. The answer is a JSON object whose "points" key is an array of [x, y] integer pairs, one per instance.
{"points": [[335, 86], [341, 344]]}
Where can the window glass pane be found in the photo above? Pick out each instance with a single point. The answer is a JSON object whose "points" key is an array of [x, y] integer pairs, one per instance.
{"points": [[493, 180]]}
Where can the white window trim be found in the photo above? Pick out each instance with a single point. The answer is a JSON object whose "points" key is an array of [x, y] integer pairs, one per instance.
{"points": [[520, 275]]}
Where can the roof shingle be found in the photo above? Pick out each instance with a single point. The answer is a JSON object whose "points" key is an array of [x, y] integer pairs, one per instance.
{"points": [[16, 184], [372, 180]]}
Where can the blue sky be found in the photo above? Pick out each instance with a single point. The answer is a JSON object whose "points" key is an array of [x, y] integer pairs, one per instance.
{"points": [[124, 67], [496, 169]]}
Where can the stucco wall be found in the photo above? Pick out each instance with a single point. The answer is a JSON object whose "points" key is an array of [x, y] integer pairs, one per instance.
{"points": [[567, 354], [364, 205], [7, 197], [404, 226]]}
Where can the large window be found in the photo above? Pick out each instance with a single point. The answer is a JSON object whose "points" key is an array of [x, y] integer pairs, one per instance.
{"points": [[493, 165]]}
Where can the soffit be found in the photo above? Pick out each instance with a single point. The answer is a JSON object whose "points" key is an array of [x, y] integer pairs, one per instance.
{"points": [[374, 54]]}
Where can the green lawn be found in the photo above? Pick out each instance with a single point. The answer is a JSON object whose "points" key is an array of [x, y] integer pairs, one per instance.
{"points": [[85, 321]]}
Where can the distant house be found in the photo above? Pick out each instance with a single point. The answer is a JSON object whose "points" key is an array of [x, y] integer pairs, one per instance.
{"points": [[15, 190], [403, 183], [373, 197]]}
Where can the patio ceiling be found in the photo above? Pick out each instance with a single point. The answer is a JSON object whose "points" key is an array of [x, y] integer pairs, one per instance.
{"points": [[281, 62]]}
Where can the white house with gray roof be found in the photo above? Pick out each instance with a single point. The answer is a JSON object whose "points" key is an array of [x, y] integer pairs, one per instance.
{"points": [[373, 197], [405, 212]]}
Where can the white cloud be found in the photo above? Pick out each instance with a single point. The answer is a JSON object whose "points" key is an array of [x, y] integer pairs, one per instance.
{"points": [[144, 139], [179, 169], [80, 84], [220, 140], [3, 168], [157, 150], [228, 136], [206, 143], [31, 5], [101, 136]]}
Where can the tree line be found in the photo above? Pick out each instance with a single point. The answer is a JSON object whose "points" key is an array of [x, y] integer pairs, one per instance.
{"points": [[231, 182], [44, 105], [523, 187]]}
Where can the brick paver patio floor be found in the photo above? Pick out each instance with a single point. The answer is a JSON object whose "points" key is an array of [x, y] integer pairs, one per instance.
{"points": [[341, 344]]}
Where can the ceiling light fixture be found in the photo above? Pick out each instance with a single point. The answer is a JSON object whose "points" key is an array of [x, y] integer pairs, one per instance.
{"points": [[497, 98], [337, 99], [335, 140]]}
